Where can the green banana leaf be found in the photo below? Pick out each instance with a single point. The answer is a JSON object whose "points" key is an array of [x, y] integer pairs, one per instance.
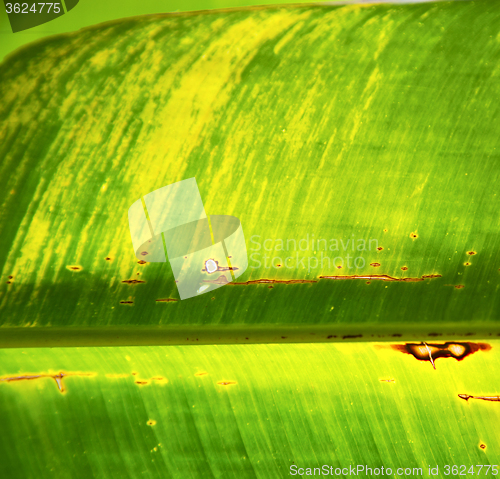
{"points": [[350, 124], [245, 411], [371, 127]]}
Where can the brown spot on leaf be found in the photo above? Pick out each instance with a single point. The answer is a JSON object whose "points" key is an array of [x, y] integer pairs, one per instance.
{"points": [[380, 248], [141, 261], [144, 253], [388, 380], [471, 253], [375, 265], [467, 264], [58, 378], [133, 281], [226, 383], [457, 350], [482, 398], [141, 383], [107, 258], [220, 280], [11, 277], [166, 300], [383, 277], [404, 268], [413, 235], [203, 373], [459, 286], [275, 281], [350, 336], [126, 302], [151, 422], [75, 267], [482, 446]]}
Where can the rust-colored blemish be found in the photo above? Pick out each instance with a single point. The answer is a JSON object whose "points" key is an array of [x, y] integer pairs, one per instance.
{"points": [[151, 422], [219, 268], [144, 253], [375, 265], [383, 277], [270, 287], [133, 281], [141, 261], [166, 300], [385, 231], [226, 383], [388, 380], [432, 351], [58, 378], [482, 446], [471, 253], [404, 268], [220, 280], [275, 281], [11, 277], [134, 373], [352, 336], [141, 383], [339, 267], [459, 286], [107, 258], [368, 282], [380, 248], [482, 398], [74, 267], [8, 282], [203, 373], [413, 235], [126, 302], [467, 264], [331, 336]]}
